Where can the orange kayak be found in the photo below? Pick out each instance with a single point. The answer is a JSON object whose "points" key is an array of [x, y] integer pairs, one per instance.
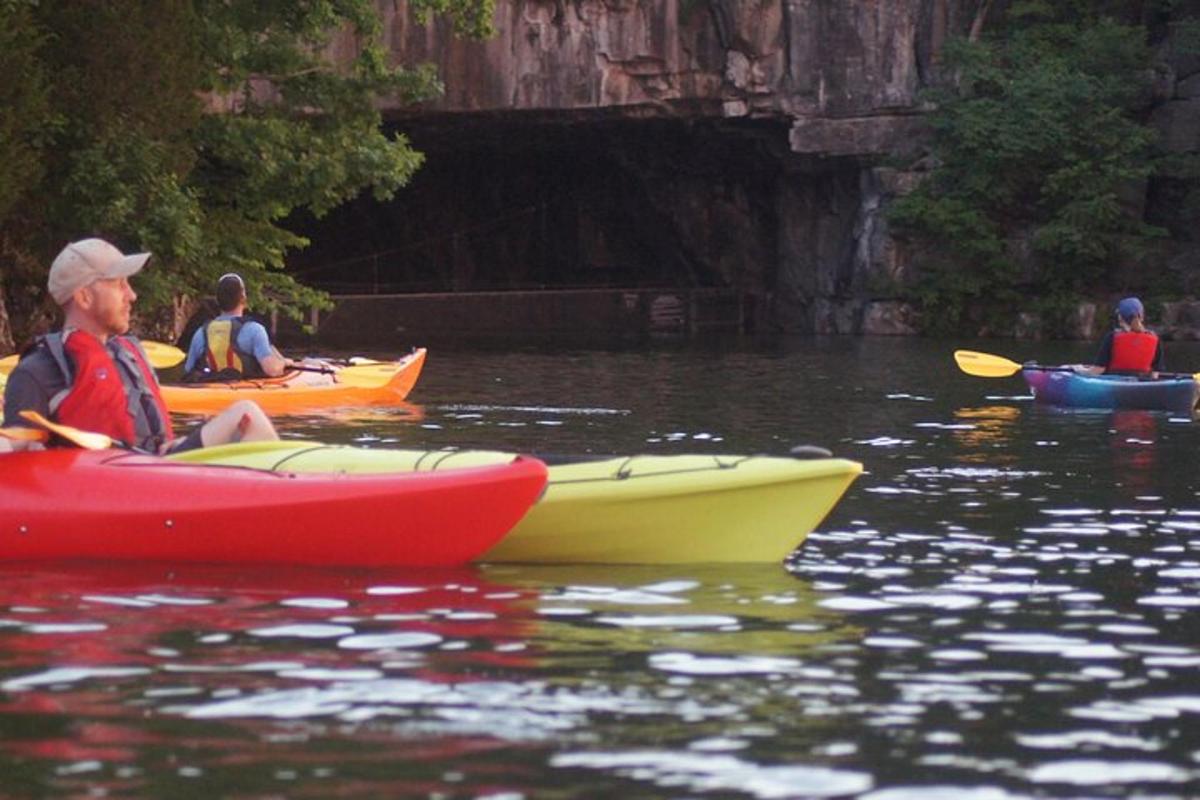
{"points": [[376, 383]]}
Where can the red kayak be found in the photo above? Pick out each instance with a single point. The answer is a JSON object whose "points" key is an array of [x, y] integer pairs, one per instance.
{"points": [[113, 505]]}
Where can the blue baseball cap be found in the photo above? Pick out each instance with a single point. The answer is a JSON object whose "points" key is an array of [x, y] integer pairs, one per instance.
{"points": [[1129, 308]]}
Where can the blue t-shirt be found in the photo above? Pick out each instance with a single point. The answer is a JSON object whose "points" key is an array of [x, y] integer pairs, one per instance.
{"points": [[252, 339]]}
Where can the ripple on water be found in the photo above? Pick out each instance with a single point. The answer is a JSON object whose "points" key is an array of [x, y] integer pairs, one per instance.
{"points": [[1044, 643], [709, 773], [304, 631], [1094, 772], [315, 602], [69, 675], [388, 641], [608, 594], [942, 793], [690, 664], [1071, 740], [673, 621], [1170, 600], [507, 710]]}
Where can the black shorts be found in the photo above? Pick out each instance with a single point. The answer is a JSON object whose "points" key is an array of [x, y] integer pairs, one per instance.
{"points": [[190, 442]]}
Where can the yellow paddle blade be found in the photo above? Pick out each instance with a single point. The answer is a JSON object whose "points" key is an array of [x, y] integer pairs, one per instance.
{"points": [[163, 356], [985, 365], [88, 440], [18, 434]]}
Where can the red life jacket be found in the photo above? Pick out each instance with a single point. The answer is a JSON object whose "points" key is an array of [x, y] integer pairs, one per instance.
{"points": [[97, 399], [1133, 351]]}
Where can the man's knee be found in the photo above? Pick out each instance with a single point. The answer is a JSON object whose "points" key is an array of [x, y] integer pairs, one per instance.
{"points": [[253, 423]]}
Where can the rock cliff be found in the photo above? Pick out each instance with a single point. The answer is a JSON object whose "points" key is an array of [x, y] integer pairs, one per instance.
{"points": [[727, 142]]}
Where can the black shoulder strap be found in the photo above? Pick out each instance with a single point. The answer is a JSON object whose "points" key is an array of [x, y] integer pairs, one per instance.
{"points": [[235, 327]]}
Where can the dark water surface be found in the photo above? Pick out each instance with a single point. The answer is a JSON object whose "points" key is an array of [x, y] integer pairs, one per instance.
{"points": [[1004, 605]]}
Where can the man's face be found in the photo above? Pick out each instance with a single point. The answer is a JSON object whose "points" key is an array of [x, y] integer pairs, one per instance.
{"points": [[108, 303]]}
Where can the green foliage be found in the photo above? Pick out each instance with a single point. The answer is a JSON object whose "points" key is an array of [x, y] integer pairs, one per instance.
{"points": [[469, 19], [1037, 144], [192, 128], [27, 117]]}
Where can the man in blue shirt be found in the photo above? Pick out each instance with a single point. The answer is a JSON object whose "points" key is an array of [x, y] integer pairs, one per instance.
{"points": [[232, 346]]}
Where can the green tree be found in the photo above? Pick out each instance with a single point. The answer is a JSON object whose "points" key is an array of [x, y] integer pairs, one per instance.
{"points": [[1038, 147], [192, 128]]}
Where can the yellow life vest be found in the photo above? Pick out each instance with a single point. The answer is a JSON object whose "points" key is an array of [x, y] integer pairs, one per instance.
{"points": [[221, 339]]}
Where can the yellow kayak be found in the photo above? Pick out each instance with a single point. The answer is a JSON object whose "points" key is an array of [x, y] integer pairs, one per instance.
{"points": [[628, 510], [376, 383]]}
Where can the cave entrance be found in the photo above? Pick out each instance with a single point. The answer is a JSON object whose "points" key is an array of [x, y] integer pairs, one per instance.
{"points": [[516, 203], [528, 203]]}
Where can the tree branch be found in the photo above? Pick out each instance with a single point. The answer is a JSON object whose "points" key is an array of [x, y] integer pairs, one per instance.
{"points": [[977, 25]]}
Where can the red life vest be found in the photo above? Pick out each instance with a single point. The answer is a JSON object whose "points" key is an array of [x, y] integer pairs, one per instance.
{"points": [[1133, 351], [97, 400]]}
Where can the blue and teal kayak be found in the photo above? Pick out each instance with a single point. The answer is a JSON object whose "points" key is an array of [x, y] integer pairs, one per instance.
{"points": [[1062, 387]]}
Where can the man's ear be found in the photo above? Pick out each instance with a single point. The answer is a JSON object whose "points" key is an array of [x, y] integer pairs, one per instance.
{"points": [[83, 297]]}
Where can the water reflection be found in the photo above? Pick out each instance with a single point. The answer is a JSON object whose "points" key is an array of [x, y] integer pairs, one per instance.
{"points": [[1134, 434], [105, 664], [988, 429], [1004, 605]]}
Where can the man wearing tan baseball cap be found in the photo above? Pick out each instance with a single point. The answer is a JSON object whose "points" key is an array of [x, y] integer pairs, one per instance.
{"points": [[84, 262], [92, 375]]}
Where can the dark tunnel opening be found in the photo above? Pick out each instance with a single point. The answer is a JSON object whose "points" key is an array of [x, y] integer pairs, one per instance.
{"points": [[504, 203]]}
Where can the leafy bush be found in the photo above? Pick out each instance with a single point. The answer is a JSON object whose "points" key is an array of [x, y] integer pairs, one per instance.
{"points": [[192, 128], [1037, 145]]}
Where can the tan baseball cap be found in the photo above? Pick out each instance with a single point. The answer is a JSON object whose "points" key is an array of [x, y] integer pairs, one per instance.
{"points": [[86, 261]]}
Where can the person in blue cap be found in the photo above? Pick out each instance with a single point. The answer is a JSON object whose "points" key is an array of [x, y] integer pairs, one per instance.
{"points": [[1131, 348]]}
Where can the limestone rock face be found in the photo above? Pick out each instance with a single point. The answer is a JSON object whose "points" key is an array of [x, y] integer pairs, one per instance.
{"points": [[825, 91], [836, 83], [1180, 320], [889, 318], [847, 73]]}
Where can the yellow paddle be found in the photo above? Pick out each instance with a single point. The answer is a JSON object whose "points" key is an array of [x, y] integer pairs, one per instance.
{"points": [[88, 440], [162, 356], [18, 434], [986, 365]]}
